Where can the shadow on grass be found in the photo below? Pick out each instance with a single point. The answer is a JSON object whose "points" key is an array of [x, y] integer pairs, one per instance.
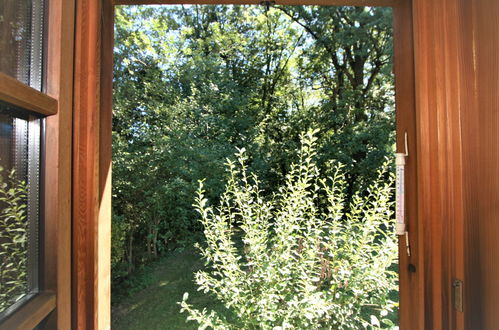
{"points": [[155, 306], [163, 285]]}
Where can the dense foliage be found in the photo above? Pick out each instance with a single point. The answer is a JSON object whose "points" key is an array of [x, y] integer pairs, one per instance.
{"points": [[304, 263], [193, 83], [13, 240]]}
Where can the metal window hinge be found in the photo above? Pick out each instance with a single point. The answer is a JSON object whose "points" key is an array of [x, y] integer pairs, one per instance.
{"points": [[457, 294]]}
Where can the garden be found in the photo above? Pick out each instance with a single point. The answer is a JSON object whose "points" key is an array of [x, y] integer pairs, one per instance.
{"points": [[252, 176]]}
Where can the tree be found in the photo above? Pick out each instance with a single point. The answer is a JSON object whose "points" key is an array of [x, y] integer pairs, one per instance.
{"points": [[193, 83]]}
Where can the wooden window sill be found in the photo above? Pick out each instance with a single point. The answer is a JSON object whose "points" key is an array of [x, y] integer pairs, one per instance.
{"points": [[32, 313]]}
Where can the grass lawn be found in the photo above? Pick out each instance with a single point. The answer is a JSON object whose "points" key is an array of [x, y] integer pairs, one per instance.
{"points": [[155, 307]]}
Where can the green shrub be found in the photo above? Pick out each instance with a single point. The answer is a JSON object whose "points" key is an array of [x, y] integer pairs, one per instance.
{"points": [[297, 261], [13, 240]]}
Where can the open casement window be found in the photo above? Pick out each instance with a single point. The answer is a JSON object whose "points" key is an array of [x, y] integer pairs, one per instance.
{"points": [[23, 109]]}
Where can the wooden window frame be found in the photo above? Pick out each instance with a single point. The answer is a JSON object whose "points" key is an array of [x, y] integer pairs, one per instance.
{"points": [[16, 93], [57, 160], [435, 45], [431, 65], [440, 58], [51, 306], [92, 163]]}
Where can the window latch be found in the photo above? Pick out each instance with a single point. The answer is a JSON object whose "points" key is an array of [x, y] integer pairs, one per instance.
{"points": [[457, 294]]}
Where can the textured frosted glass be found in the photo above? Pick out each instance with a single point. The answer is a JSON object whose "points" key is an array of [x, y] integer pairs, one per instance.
{"points": [[21, 44], [21, 57], [20, 135]]}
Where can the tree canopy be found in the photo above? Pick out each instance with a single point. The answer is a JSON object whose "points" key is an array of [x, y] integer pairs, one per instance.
{"points": [[194, 83]]}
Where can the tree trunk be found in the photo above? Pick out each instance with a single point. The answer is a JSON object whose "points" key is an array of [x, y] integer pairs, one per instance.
{"points": [[155, 243], [130, 254]]}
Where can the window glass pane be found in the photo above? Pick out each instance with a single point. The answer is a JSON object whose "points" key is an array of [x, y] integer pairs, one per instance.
{"points": [[20, 135], [21, 31]]}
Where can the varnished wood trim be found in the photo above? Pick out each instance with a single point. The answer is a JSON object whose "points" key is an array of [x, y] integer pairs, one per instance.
{"points": [[91, 207], [373, 3], [440, 175], [18, 94], [411, 310], [56, 274], [92, 165], [32, 313], [480, 128], [103, 242]]}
